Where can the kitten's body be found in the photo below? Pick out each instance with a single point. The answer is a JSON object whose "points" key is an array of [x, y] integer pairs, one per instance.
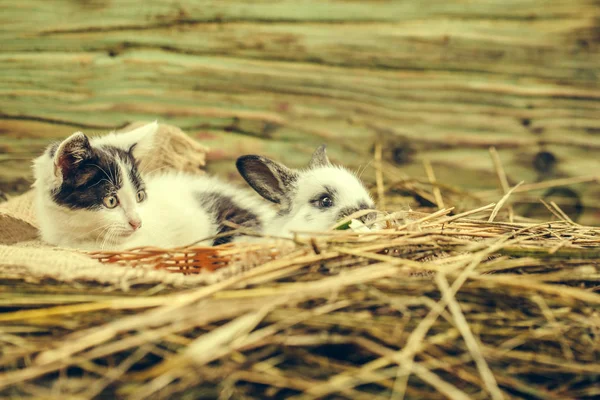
{"points": [[182, 209], [179, 209]]}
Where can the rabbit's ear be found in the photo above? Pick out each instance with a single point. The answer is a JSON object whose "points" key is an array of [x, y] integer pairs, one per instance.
{"points": [[273, 181], [319, 158]]}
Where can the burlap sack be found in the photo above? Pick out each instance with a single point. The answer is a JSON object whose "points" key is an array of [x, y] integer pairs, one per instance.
{"points": [[23, 255]]}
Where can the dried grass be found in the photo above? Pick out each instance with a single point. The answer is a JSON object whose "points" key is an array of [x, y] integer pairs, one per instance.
{"points": [[471, 305]]}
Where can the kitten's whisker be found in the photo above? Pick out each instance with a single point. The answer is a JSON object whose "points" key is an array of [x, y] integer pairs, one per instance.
{"points": [[105, 173], [93, 230], [107, 237], [100, 181], [112, 177], [143, 172]]}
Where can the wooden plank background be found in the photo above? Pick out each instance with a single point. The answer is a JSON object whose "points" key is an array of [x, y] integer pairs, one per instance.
{"points": [[438, 80]]}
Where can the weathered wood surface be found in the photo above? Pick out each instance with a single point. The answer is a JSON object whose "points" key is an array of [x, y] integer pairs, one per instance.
{"points": [[437, 80]]}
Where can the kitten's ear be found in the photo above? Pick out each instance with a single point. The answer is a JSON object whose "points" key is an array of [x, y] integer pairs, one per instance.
{"points": [[271, 180], [319, 158], [142, 139], [70, 153]]}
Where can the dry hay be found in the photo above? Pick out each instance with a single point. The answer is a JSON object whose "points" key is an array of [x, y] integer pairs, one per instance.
{"points": [[435, 306]]}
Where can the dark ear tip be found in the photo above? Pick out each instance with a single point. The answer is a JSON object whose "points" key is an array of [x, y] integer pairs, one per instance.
{"points": [[246, 157], [241, 162], [79, 138], [321, 149], [82, 136]]}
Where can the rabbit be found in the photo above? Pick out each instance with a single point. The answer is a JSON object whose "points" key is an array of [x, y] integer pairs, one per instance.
{"points": [[309, 200]]}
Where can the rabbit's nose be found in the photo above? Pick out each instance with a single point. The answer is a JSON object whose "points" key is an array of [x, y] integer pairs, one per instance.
{"points": [[367, 218]]}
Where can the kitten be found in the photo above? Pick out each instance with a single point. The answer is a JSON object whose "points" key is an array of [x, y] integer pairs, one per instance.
{"points": [[90, 195]]}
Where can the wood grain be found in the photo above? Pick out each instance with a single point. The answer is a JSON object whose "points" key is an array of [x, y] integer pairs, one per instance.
{"points": [[437, 80]]}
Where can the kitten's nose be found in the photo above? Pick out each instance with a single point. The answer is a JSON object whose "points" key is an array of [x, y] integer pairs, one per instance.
{"points": [[135, 224]]}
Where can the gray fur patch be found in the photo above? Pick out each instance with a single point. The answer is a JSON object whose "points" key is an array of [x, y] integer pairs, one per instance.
{"points": [[224, 209], [345, 212]]}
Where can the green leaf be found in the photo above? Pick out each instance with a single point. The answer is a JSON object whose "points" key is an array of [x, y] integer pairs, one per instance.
{"points": [[344, 226]]}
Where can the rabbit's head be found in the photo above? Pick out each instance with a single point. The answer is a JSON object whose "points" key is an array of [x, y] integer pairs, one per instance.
{"points": [[311, 199]]}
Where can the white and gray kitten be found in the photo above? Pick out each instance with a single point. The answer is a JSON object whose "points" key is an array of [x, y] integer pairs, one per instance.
{"points": [[90, 195]]}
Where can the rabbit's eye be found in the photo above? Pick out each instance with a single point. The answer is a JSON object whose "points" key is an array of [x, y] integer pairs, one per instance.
{"points": [[111, 201], [325, 202]]}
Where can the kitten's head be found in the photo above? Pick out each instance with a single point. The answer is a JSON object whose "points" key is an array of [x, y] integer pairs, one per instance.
{"points": [[91, 187], [312, 199]]}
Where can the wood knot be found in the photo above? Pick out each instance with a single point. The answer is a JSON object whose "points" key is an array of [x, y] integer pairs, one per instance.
{"points": [[402, 154], [544, 162]]}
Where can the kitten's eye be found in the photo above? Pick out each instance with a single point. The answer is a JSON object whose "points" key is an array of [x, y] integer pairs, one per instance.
{"points": [[111, 201], [141, 196], [325, 202]]}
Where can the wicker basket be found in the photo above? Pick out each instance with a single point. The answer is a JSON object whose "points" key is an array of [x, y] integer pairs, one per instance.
{"points": [[194, 259]]}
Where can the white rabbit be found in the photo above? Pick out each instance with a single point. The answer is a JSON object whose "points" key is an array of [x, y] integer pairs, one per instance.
{"points": [[311, 199]]}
